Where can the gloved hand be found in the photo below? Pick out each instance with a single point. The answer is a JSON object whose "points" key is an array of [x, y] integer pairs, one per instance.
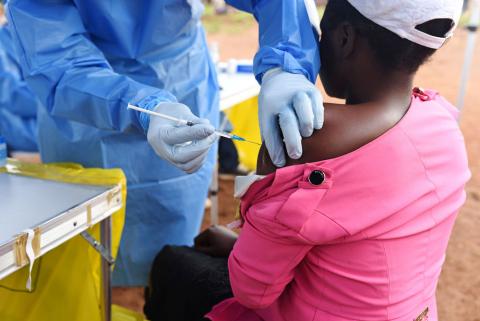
{"points": [[290, 106], [186, 147]]}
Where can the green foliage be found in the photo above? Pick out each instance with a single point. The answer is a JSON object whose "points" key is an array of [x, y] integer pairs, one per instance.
{"points": [[234, 22]]}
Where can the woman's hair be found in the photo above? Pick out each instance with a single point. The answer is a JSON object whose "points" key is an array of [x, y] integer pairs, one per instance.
{"points": [[392, 51]]}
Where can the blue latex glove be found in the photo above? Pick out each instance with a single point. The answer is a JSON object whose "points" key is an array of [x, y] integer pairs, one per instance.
{"points": [[186, 147], [290, 106]]}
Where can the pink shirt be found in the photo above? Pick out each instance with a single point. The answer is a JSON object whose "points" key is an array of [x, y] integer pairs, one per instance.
{"points": [[366, 244]]}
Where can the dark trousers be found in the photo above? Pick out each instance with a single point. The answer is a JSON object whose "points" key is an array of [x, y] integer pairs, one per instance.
{"points": [[185, 285]]}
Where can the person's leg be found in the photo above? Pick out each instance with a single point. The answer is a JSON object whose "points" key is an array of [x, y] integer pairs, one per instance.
{"points": [[185, 285]]}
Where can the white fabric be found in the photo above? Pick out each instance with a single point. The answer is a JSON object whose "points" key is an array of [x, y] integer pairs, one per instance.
{"points": [[243, 183], [403, 16], [31, 256]]}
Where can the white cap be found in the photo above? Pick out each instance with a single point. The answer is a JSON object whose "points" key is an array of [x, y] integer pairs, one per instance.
{"points": [[403, 16]]}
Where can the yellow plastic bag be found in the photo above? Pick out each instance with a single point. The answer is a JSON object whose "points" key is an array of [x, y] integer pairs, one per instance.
{"points": [[67, 280], [122, 314], [244, 118]]}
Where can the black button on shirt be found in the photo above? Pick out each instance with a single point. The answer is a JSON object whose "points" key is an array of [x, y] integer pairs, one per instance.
{"points": [[316, 177]]}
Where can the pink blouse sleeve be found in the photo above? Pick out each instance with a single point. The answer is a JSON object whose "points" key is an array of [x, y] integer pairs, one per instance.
{"points": [[262, 264], [274, 240]]}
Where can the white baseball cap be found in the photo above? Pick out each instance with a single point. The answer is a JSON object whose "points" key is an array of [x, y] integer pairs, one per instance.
{"points": [[403, 16]]}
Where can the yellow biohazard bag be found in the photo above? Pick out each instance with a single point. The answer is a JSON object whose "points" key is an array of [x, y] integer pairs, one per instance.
{"points": [[67, 280], [244, 118]]}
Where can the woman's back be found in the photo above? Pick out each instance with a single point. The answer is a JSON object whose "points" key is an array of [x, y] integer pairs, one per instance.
{"points": [[368, 242], [396, 198]]}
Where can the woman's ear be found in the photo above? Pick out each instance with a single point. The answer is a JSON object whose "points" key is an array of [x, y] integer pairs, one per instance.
{"points": [[346, 39]]}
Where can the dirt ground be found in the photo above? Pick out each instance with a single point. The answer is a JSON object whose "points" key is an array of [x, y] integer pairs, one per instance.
{"points": [[459, 287]]}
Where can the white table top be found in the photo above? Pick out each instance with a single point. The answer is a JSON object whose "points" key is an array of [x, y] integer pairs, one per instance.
{"points": [[236, 88], [27, 202]]}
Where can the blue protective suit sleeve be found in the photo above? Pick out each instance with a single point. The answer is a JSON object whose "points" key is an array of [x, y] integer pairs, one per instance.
{"points": [[15, 96], [71, 76], [20, 133], [287, 39]]}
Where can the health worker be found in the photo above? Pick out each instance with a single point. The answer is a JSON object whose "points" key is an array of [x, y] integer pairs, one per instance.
{"points": [[18, 104], [87, 59]]}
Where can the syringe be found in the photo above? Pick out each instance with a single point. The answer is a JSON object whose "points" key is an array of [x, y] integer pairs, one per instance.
{"points": [[184, 122]]}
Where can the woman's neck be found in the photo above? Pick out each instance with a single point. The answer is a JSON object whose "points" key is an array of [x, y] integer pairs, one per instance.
{"points": [[393, 89]]}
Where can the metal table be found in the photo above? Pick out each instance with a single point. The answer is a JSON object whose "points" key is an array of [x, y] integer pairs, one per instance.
{"points": [[55, 212]]}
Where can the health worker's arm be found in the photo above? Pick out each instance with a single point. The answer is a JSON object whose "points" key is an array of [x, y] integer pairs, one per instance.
{"points": [[287, 40], [287, 64], [68, 72], [15, 95]]}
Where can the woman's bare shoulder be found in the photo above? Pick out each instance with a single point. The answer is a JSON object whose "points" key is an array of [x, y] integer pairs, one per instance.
{"points": [[346, 128]]}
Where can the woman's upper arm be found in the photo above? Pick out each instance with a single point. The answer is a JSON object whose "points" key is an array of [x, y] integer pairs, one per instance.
{"points": [[346, 129], [262, 264], [264, 163]]}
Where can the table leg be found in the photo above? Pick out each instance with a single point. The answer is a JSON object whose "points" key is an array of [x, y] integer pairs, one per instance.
{"points": [[105, 239], [214, 185], [214, 196]]}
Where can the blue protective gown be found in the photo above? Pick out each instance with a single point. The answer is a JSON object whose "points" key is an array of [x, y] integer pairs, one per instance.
{"points": [[18, 104], [87, 59]]}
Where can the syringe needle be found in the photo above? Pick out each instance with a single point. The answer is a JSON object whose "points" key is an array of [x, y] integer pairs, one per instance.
{"points": [[251, 142], [188, 123], [241, 139]]}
